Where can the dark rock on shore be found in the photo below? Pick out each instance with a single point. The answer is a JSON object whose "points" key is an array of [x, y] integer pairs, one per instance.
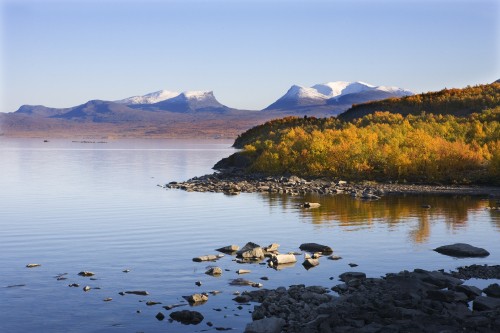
{"points": [[477, 272], [418, 301]]}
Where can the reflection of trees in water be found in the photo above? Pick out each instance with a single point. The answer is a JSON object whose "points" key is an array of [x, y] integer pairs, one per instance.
{"points": [[345, 211]]}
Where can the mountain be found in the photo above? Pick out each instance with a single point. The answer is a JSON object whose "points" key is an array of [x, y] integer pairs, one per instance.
{"points": [[150, 98], [334, 93], [187, 102], [101, 111], [40, 110], [456, 102]]}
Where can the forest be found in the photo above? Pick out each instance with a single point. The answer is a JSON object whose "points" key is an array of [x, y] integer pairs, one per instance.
{"points": [[385, 145]]}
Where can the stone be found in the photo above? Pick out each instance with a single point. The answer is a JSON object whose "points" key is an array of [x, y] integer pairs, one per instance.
{"points": [[334, 257], [171, 306], [151, 303], [314, 247], [32, 265], [311, 205], [255, 253], [242, 299], [283, 259], [230, 249], [345, 277], [309, 263], [126, 270], [198, 283], [74, 285], [272, 247], [86, 288], [462, 250], [447, 296], [483, 303], [266, 325], [85, 273], [214, 271], [353, 264], [471, 291], [160, 316], [108, 299], [493, 290], [196, 298], [243, 271], [137, 292], [210, 257], [187, 317]]}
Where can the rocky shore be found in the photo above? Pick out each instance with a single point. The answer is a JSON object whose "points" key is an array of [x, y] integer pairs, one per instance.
{"points": [[235, 182], [418, 301]]}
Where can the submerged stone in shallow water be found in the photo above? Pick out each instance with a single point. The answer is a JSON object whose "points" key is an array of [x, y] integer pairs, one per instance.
{"points": [[462, 250]]}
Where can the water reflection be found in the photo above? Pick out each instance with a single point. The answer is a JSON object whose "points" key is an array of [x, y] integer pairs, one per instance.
{"points": [[353, 214]]}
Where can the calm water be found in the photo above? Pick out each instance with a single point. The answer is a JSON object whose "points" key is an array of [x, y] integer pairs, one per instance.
{"points": [[73, 206]]}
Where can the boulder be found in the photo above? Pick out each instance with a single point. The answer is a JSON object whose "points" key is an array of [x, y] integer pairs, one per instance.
{"points": [[210, 257], [266, 325], [462, 250], [345, 277], [493, 290], [248, 246], [255, 253], [137, 292], [196, 298], [280, 259], [272, 248], [214, 271], [230, 249], [483, 303], [187, 317], [314, 247], [309, 263]]}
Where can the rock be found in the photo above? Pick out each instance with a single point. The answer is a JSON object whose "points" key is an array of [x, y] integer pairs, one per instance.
{"points": [[311, 205], [86, 288], [353, 264], [85, 273], [254, 254], [314, 247], [280, 259], [334, 257], [266, 325], [242, 299], [126, 270], [426, 206], [151, 303], [214, 271], [109, 299], [187, 317], [74, 285], [198, 283], [230, 249], [241, 282], [272, 248], [345, 277], [447, 296], [483, 303], [32, 265], [493, 290], [210, 257], [215, 292], [137, 292], [471, 291], [171, 306], [462, 250], [243, 271], [196, 298], [309, 263], [160, 316]]}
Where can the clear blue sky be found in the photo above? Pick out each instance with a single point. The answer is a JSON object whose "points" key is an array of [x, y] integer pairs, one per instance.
{"points": [[64, 53]]}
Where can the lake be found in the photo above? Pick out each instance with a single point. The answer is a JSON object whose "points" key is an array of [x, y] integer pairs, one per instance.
{"points": [[84, 206]]}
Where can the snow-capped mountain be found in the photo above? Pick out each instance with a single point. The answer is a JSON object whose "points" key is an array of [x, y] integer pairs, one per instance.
{"points": [[150, 98], [190, 101], [334, 93]]}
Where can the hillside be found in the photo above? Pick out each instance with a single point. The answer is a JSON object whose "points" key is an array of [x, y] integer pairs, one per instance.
{"points": [[460, 144], [457, 102]]}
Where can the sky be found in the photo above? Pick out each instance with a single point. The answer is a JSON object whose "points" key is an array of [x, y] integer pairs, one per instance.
{"points": [[249, 53]]}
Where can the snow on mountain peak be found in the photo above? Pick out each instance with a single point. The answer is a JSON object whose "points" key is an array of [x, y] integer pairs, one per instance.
{"points": [[198, 95], [150, 98], [296, 91]]}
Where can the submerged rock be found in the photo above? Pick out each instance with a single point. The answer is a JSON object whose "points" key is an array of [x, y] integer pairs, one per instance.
{"points": [[314, 247], [462, 250], [137, 292], [187, 317], [86, 274], [32, 265], [266, 325]]}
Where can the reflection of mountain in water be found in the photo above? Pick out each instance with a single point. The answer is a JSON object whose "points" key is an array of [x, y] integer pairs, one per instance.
{"points": [[352, 214]]}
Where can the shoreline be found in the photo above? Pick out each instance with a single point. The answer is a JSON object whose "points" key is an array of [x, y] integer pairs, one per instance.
{"points": [[236, 182], [417, 301]]}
